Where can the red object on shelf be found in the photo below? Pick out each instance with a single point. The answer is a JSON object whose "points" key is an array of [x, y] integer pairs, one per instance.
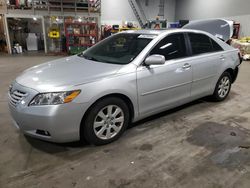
{"points": [[87, 30], [17, 3]]}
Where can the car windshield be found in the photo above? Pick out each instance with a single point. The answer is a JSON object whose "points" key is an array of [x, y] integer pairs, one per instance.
{"points": [[118, 49]]}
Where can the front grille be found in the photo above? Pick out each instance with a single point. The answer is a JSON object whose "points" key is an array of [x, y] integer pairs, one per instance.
{"points": [[16, 97]]}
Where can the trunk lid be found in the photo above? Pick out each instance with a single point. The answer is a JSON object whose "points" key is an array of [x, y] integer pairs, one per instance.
{"points": [[220, 28]]}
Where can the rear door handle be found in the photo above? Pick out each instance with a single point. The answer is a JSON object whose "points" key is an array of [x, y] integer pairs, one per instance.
{"points": [[186, 66], [222, 57]]}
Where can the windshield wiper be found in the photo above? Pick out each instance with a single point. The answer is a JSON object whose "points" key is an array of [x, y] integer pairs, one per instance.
{"points": [[98, 60], [88, 57]]}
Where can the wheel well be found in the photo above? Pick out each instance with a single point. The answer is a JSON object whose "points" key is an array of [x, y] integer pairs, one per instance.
{"points": [[125, 99], [233, 73], [118, 95]]}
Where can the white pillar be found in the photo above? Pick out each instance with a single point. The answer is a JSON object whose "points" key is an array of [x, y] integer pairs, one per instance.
{"points": [[6, 32], [44, 36]]}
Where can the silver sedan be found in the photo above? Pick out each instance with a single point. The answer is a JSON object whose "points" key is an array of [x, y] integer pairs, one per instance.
{"points": [[124, 78]]}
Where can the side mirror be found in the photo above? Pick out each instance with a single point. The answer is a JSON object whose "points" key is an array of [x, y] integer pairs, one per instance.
{"points": [[155, 60]]}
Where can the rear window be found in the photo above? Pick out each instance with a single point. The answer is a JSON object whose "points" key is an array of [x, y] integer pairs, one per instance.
{"points": [[203, 44]]}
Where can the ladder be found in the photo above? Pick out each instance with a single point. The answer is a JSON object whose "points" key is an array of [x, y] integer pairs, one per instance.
{"points": [[138, 11]]}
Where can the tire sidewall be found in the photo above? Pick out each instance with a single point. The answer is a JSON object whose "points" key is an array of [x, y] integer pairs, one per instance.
{"points": [[88, 130], [216, 94]]}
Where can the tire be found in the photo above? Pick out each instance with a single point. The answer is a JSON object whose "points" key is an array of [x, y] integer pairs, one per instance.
{"points": [[223, 87], [106, 121]]}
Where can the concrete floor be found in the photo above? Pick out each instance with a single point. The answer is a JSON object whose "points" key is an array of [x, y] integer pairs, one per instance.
{"points": [[203, 144]]}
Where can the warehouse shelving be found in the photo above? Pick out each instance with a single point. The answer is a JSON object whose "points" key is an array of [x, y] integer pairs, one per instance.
{"points": [[54, 5], [80, 35]]}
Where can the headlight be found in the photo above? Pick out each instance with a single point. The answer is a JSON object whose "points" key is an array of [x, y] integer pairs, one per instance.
{"points": [[54, 98]]}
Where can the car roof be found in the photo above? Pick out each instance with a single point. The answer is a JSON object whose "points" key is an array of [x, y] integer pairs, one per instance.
{"points": [[161, 31], [149, 31]]}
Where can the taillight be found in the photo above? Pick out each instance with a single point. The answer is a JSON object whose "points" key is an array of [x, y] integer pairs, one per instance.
{"points": [[240, 57]]}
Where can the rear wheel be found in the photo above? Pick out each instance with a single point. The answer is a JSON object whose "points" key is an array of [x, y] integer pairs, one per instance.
{"points": [[223, 87], [106, 121]]}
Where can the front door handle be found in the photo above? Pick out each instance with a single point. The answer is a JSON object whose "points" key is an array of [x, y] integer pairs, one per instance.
{"points": [[186, 66]]}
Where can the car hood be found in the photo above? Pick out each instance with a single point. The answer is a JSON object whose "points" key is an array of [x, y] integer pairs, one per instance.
{"points": [[65, 72]]}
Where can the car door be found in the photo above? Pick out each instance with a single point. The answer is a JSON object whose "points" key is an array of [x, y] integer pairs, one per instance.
{"points": [[163, 86], [205, 62]]}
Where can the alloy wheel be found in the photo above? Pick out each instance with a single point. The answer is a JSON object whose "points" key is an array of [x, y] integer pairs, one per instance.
{"points": [[224, 87], [108, 122]]}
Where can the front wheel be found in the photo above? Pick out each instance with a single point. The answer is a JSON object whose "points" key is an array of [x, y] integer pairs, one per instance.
{"points": [[106, 121], [223, 87]]}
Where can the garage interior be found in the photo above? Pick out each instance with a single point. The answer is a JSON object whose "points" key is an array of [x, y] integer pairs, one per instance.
{"points": [[202, 144], [21, 31]]}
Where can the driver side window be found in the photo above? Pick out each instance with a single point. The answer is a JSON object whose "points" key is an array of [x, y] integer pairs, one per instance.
{"points": [[171, 47]]}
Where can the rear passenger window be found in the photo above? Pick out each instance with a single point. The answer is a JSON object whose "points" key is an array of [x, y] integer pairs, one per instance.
{"points": [[172, 47], [203, 44], [216, 46], [200, 43]]}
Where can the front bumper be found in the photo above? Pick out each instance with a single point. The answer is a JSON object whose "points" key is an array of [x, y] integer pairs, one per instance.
{"points": [[60, 123]]}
